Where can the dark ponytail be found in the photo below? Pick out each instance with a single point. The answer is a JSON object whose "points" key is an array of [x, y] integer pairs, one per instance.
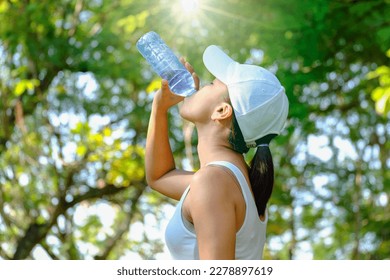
{"points": [[261, 171], [261, 176]]}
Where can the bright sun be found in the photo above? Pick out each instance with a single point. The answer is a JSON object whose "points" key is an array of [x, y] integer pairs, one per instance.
{"points": [[190, 6]]}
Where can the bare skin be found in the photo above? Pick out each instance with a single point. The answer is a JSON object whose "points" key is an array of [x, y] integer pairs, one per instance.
{"points": [[214, 204]]}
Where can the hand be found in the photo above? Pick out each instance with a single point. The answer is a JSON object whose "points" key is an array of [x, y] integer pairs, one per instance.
{"points": [[191, 70], [164, 98]]}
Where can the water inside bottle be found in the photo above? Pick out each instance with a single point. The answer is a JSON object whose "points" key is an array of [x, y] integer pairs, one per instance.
{"points": [[182, 83]]}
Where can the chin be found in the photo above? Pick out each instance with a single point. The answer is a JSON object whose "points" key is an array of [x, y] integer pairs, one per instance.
{"points": [[182, 111], [185, 112]]}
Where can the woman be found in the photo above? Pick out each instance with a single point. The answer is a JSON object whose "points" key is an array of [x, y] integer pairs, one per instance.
{"points": [[222, 209]]}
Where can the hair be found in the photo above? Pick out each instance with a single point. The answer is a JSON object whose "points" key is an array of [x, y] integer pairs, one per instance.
{"points": [[261, 170]]}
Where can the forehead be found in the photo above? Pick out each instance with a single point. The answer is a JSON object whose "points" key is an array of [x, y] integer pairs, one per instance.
{"points": [[217, 81], [221, 88], [220, 85]]}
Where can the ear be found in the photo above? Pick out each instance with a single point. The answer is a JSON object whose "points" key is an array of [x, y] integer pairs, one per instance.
{"points": [[222, 111]]}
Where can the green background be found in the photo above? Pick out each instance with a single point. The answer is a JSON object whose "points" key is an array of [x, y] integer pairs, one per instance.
{"points": [[75, 98]]}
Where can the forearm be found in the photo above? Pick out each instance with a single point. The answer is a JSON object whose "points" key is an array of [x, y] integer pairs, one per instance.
{"points": [[158, 158]]}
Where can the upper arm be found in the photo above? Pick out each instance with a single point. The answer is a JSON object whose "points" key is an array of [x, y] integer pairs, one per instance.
{"points": [[173, 183], [212, 211]]}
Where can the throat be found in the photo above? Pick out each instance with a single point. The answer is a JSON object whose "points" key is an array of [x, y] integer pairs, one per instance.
{"points": [[214, 146], [209, 153]]}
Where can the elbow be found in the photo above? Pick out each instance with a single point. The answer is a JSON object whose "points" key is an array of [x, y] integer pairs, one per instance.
{"points": [[151, 182]]}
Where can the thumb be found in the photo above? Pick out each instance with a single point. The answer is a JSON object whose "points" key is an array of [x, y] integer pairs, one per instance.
{"points": [[165, 86]]}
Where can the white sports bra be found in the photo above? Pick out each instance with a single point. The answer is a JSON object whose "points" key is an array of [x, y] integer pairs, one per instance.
{"points": [[250, 239]]}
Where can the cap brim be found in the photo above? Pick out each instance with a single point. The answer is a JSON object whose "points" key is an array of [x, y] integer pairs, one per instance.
{"points": [[217, 62]]}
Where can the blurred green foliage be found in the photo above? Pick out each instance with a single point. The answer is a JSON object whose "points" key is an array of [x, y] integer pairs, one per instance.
{"points": [[381, 94], [75, 99]]}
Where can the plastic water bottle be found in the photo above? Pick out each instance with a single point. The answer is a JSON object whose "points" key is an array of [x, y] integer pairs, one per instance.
{"points": [[165, 63]]}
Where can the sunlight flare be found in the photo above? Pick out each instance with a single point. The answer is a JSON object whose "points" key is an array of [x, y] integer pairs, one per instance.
{"points": [[190, 7]]}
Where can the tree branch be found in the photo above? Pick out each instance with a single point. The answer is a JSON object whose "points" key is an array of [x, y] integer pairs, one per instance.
{"points": [[33, 236], [111, 242], [37, 231], [48, 250]]}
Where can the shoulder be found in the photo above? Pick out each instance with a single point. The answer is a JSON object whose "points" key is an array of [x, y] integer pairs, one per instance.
{"points": [[212, 211], [210, 185], [211, 176]]}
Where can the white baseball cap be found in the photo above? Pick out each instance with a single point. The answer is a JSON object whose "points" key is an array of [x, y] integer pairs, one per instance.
{"points": [[258, 99]]}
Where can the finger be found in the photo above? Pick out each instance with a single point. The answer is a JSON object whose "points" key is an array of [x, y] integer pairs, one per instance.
{"points": [[189, 67], [196, 80], [164, 85], [182, 60]]}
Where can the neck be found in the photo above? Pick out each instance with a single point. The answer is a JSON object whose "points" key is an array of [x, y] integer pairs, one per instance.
{"points": [[215, 146]]}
